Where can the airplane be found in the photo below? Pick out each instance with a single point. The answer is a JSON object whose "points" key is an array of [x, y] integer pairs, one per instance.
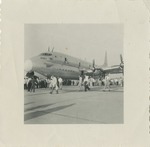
{"points": [[67, 67]]}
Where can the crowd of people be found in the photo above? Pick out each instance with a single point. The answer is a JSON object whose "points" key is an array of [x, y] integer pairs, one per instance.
{"points": [[88, 82], [34, 82], [56, 83]]}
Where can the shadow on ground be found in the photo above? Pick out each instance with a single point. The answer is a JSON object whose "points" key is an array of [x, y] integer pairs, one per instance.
{"points": [[37, 107], [44, 112]]}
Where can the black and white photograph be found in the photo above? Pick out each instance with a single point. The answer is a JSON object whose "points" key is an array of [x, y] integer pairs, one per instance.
{"points": [[73, 74]]}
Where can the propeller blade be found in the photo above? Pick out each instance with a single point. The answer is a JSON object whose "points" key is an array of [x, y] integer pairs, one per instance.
{"points": [[121, 59], [122, 64], [93, 63]]}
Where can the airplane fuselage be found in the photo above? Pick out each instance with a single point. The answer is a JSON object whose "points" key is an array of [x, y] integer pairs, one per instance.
{"points": [[59, 65]]}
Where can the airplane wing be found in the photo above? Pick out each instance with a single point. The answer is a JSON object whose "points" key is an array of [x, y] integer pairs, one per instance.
{"points": [[112, 69], [86, 70], [103, 70]]}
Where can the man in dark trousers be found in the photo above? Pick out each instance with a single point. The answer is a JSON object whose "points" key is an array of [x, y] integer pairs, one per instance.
{"points": [[86, 83], [33, 82], [29, 84]]}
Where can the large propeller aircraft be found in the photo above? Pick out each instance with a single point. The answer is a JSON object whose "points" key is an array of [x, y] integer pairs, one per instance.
{"points": [[68, 67]]}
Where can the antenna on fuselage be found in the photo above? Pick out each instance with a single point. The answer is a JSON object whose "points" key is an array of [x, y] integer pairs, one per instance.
{"points": [[52, 49], [48, 48]]}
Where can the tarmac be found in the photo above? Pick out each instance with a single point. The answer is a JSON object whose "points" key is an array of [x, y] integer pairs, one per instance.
{"points": [[74, 106]]}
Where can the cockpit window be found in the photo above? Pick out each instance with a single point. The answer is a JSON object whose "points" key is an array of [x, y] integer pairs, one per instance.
{"points": [[46, 54]]}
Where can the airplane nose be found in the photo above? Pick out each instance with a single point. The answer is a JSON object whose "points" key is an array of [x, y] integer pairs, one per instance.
{"points": [[28, 65]]}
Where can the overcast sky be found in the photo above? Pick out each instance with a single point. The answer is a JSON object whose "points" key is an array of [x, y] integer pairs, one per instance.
{"points": [[85, 41]]}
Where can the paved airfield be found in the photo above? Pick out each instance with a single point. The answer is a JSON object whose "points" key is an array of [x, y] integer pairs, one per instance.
{"points": [[72, 106]]}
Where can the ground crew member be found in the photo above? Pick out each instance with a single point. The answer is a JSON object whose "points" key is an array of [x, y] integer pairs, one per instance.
{"points": [[60, 82], [33, 82], [86, 83], [54, 84], [107, 83]]}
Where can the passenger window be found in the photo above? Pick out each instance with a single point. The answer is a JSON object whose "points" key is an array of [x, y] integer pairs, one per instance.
{"points": [[46, 54]]}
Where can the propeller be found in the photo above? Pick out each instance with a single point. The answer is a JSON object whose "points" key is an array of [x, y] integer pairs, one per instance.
{"points": [[94, 68], [93, 65], [122, 64], [121, 58]]}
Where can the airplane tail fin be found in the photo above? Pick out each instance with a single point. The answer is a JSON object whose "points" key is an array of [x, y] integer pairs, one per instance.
{"points": [[105, 61]]}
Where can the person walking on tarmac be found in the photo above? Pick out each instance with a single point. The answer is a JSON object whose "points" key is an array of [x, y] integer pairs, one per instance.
{"points": [[107, 82], [86, 83], [29, 84], [54, 84], [33, 82], [60, 81], [80, 82]]}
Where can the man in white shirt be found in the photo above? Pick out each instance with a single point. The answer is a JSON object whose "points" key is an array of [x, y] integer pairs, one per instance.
{"points": [[60, 82], [107, 82], [86, 83], [54, 84]]}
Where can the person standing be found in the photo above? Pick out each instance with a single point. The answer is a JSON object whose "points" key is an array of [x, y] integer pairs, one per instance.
{"points": [[90, 82], [80, 82], [37, 81], [29, 84], [54, 84], [48, 82], [107, 83], [33, 82], [60, 81], [86, 83], [25, 83]]}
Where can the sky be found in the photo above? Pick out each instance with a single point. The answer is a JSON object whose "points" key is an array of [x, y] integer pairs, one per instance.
{"points": [[84, 41]]}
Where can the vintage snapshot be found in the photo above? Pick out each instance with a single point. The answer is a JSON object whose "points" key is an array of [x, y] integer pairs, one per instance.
{"points": [[73, 74]]}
